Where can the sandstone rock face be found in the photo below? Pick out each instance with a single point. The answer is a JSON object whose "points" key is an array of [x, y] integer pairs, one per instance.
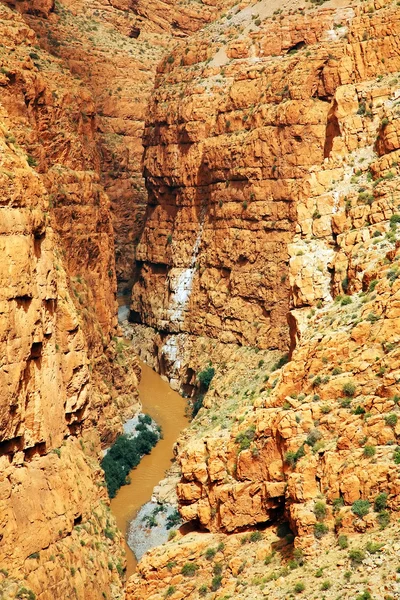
{"points": [[60, 377], [340, 243], [311, 102], [241, 156], [115, 48]]}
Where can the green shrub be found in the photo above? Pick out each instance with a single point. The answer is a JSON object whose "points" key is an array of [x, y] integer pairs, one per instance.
{"points": [[372, 285], [217, 569], [360, 508], [281, 362], [383, 518], [326, 585], [396, 455], [32, 162], [364, 596], [319, 572], [380, 502], [203, 590], [337, 371], [299, 587], [170, 591], [337, 504], [349, 389], [343, 542], [210, 553], [320, 529], [216, 583], [291, 457], [255, 536], [320, 510], [346, 300], [197, 404], [391, 420], [373, 547], [369, 451], [244, 439], [394, 220], [317, 381], [173, 519], [356, 556], [189, 569], [313, 436], [205, 377]]}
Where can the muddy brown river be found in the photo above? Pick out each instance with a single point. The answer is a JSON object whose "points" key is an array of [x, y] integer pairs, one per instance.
{"points": [[167, 408]]}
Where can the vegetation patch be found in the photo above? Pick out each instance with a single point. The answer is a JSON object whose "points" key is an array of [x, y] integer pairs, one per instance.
{"points": [[126, 453]]}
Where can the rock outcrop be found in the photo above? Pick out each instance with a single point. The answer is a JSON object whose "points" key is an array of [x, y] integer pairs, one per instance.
{"points": [[66, 385]]}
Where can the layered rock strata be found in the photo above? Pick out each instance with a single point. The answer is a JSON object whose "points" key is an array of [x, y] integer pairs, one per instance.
{"points": [[307, 103], [66, 384]]}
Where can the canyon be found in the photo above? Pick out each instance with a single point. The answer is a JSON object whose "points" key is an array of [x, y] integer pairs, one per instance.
{"points": [[234, 169]]}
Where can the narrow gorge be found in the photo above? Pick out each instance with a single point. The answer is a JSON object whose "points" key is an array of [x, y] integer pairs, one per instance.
{"points": [[200, 208]]}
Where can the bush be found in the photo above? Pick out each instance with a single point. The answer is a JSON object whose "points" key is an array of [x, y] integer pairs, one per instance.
{"points": [[326, 585], [173, 520], [380, 502], [369, 451], [373, 547], [349, 389], [291, 457], [281, 362], [203, 590], [319, 572], [255, 536], [391, 420], [320, 529], [124, 455], [356, 556], [216, 583], [189, 569], [244, 439], [343, 542], [170, 591], [383, 518], [360, 508], [337, 504], [396, 455], [313, 436], [299, 587], [364, 596], [394, 220], [320, 510], [210, 553], [205, 377]]}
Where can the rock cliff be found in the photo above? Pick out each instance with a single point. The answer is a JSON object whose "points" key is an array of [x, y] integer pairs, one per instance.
{"points": [[282, 164], [66, 385]]}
